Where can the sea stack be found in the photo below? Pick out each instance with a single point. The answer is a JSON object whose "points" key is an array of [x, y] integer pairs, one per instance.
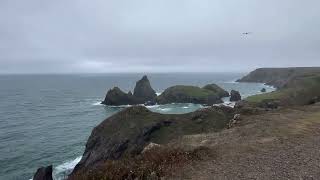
{"points": [[235, 96], [143, 90], [143, 93]]}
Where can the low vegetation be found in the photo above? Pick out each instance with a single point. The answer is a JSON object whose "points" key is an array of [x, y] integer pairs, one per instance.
{"points": [[300, 90], [153, 164]]}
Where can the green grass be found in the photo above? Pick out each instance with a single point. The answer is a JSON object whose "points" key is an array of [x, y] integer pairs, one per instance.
{"points": [[193, 91], [299, 91], [279, 94]]}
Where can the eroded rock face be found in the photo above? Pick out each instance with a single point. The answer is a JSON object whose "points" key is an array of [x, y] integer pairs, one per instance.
{"points": [[128, 132], [144, 91], [235, 96], [43, 173]]}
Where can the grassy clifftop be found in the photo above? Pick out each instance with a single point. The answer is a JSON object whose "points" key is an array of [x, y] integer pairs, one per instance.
{"points": [[278, 77], [299, 86]]}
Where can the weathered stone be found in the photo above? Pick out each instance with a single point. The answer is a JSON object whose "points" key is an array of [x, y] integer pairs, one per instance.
{"points": [[43, 173], [235, 96]]}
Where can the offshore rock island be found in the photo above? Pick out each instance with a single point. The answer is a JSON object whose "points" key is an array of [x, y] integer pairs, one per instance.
{"points": [[144, 94]]}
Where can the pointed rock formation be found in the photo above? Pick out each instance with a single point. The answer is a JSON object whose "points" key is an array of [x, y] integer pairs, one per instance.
{"points": [[144, 91]]}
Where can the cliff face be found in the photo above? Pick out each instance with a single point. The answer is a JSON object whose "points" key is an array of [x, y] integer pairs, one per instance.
{"points": [[128, 132], [278, 77]]}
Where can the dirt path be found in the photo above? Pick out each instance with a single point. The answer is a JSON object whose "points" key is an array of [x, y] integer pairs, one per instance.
{"points": [[283, 144]]}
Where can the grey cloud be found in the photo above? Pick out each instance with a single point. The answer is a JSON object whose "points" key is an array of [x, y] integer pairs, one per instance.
{"points": [[60, 36]]}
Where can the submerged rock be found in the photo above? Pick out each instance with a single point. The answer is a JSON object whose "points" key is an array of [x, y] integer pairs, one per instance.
{"points": [[43, 173], [235, 96]]}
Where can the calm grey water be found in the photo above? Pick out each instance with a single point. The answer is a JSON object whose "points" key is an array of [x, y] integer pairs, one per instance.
{"points": [[46, 119]]}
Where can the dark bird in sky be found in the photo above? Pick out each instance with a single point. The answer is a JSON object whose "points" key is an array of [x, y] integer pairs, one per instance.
{"points": [[247, 33]]}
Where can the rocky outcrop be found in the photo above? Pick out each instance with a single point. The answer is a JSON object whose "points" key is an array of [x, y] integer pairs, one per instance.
{"points": [[128, 132], [143, 93], [235, 96], [263, 90], [210, 94], [117, 97], [43, 173]]}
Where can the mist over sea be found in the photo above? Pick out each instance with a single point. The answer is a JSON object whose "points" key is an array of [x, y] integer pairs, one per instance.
{"points": [[46, 119]]}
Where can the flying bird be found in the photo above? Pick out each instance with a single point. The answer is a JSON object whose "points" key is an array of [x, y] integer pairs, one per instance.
{"points": [[247, 33]]}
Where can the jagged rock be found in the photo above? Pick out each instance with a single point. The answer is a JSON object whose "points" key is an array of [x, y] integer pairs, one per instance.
{"points": [[263, 90], [209, 95], [43, 173], [144, 91], [235, 96], [117, 97]]}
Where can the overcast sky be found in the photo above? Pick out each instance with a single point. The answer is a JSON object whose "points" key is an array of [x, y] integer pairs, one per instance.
{"points": [[102, 36]]}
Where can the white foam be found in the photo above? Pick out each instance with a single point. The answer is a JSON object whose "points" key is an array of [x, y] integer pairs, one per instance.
{"points": [[186, 107], [65, 168], [97, 103], [165, 109], [154, 106], [158, 93]]}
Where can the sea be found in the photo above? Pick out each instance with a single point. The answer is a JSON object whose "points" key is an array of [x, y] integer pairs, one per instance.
{"points": [[47, 119]]}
